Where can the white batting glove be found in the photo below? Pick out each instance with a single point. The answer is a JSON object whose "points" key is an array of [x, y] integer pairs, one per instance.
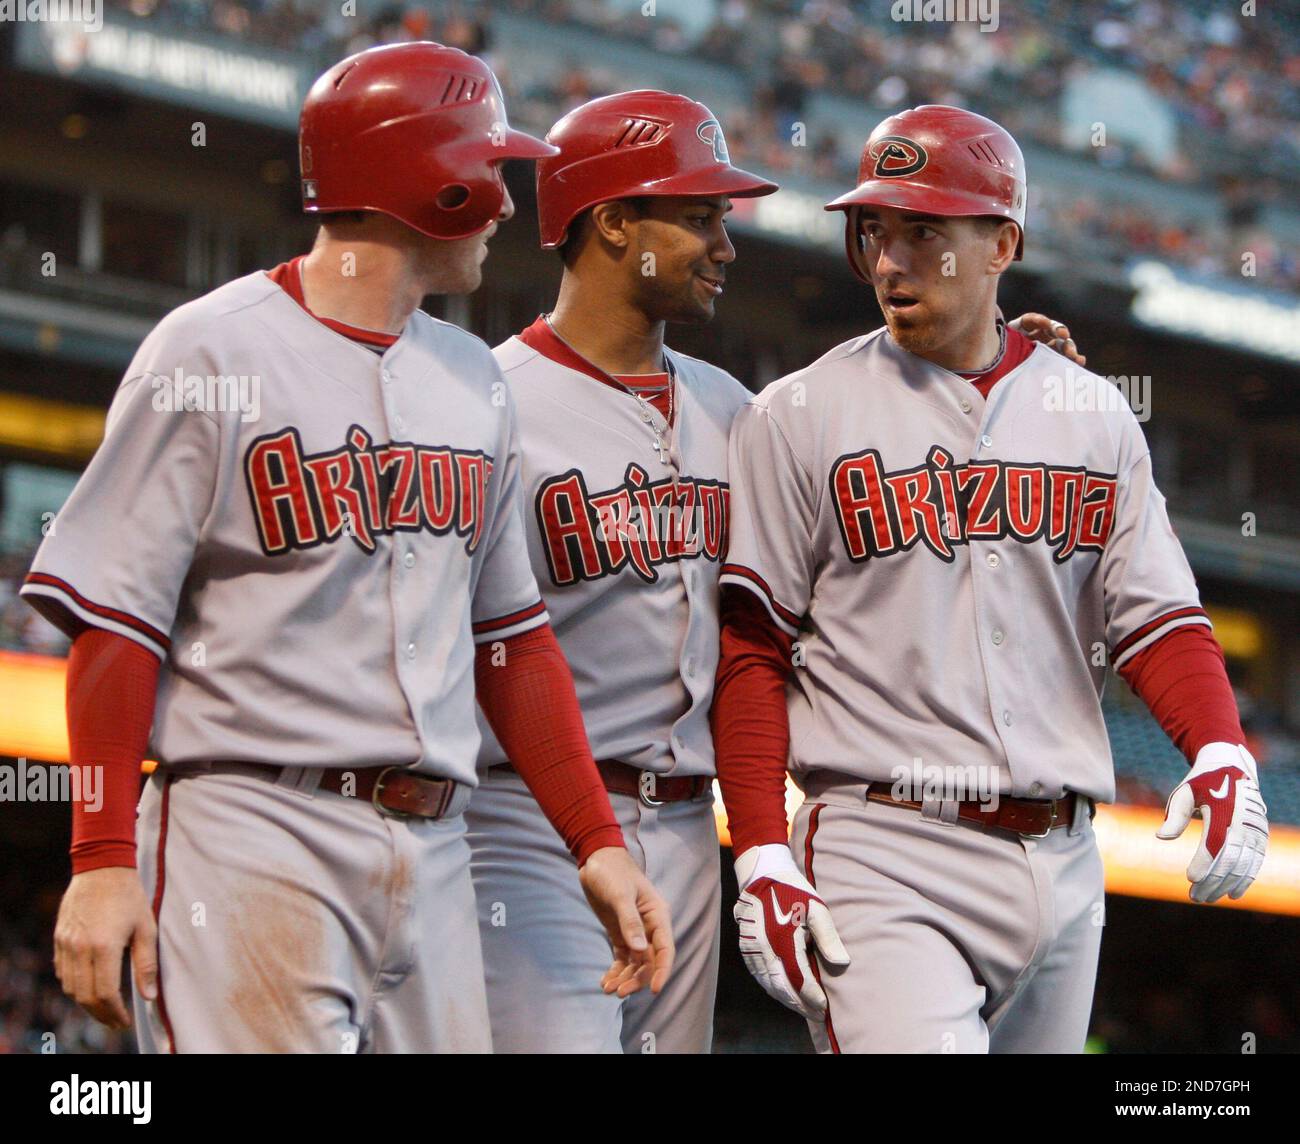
{"points": [[1222, 789], [776, 912]]}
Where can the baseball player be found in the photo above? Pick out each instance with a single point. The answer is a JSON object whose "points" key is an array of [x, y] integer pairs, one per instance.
{"points": [[300, 592], [930, 560], [623, 471], [624, 476]]}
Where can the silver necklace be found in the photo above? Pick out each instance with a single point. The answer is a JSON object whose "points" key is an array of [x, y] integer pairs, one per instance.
{"points": [[1002, 349], [649, 414]]}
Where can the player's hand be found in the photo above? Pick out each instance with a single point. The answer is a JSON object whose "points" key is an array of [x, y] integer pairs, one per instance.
{"points": [[102, 912], [777, 912], [636, 919], [1222, 789], [1053, 334]]}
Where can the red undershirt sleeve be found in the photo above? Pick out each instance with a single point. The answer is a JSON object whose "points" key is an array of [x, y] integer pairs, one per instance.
{"points": [[751, 730], [112, 685], [1183, 680], [531, 706]]}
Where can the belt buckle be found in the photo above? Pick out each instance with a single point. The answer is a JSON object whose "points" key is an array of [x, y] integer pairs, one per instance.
{"points": [[1051, 821], [387, 811], [645, 782]]}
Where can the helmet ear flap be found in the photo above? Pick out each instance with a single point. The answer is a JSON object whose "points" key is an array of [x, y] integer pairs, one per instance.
{"points": [[855, 242]]}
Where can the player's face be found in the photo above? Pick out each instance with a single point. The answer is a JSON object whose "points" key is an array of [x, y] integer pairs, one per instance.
{"points": [[456, 266], [932, 276], [681, 251]]}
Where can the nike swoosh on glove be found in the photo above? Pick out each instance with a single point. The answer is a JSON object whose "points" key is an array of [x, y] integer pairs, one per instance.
{"points": [[1222, 789], [777, 912]]}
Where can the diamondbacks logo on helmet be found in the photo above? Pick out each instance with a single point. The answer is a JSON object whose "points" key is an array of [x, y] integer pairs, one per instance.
{"points": [[896, 157], [710, 132]]}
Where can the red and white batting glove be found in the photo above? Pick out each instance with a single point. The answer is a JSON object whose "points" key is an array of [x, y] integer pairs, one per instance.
{"points": [[1222, 789], [776, 912]]}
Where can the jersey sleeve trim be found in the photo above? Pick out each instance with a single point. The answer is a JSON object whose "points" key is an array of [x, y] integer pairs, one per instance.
{"points": [[512, 624], [70, 611], [1155, 630], [738, 574]]}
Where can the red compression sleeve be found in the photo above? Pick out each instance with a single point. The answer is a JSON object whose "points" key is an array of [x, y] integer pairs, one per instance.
{"points": [[1183, 680], [751, 730], [530, 704], [112, 685]]}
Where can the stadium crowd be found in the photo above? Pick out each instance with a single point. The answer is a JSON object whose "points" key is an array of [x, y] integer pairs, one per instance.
{"points": [[1230, 82]]}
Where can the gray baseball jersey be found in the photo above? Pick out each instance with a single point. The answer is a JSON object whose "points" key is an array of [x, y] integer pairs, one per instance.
{"points": [[627, 543], [315, 573], [314, 562], [956, 569], [626, 547]]}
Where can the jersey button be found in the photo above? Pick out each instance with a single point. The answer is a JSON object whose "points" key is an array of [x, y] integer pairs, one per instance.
{"points": [[1035, 789], [994, 559], [1006, 718], [410, 651], [998, 637], [409, 559], [690, 666], [965, 405], [388, 377], [986, 440]]}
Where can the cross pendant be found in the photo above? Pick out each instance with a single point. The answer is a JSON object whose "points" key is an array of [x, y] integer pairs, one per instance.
{"points": [[662, 449]]}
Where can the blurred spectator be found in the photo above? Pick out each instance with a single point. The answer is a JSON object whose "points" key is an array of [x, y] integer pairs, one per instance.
{"points": [[21, 627], [1230, 80]]}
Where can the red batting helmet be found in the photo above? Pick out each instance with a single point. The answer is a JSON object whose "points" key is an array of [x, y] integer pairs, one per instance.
{"points": [[941, 161], [632, 144], [413, 130]]}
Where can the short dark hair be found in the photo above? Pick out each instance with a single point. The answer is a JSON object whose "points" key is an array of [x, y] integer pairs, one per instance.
{"points": [[640, 205]]}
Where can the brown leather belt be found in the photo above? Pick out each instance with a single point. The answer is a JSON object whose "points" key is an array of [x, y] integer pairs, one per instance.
{"points": [[394, 791], [646, 786], [650, 788], [1030, 817]]}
